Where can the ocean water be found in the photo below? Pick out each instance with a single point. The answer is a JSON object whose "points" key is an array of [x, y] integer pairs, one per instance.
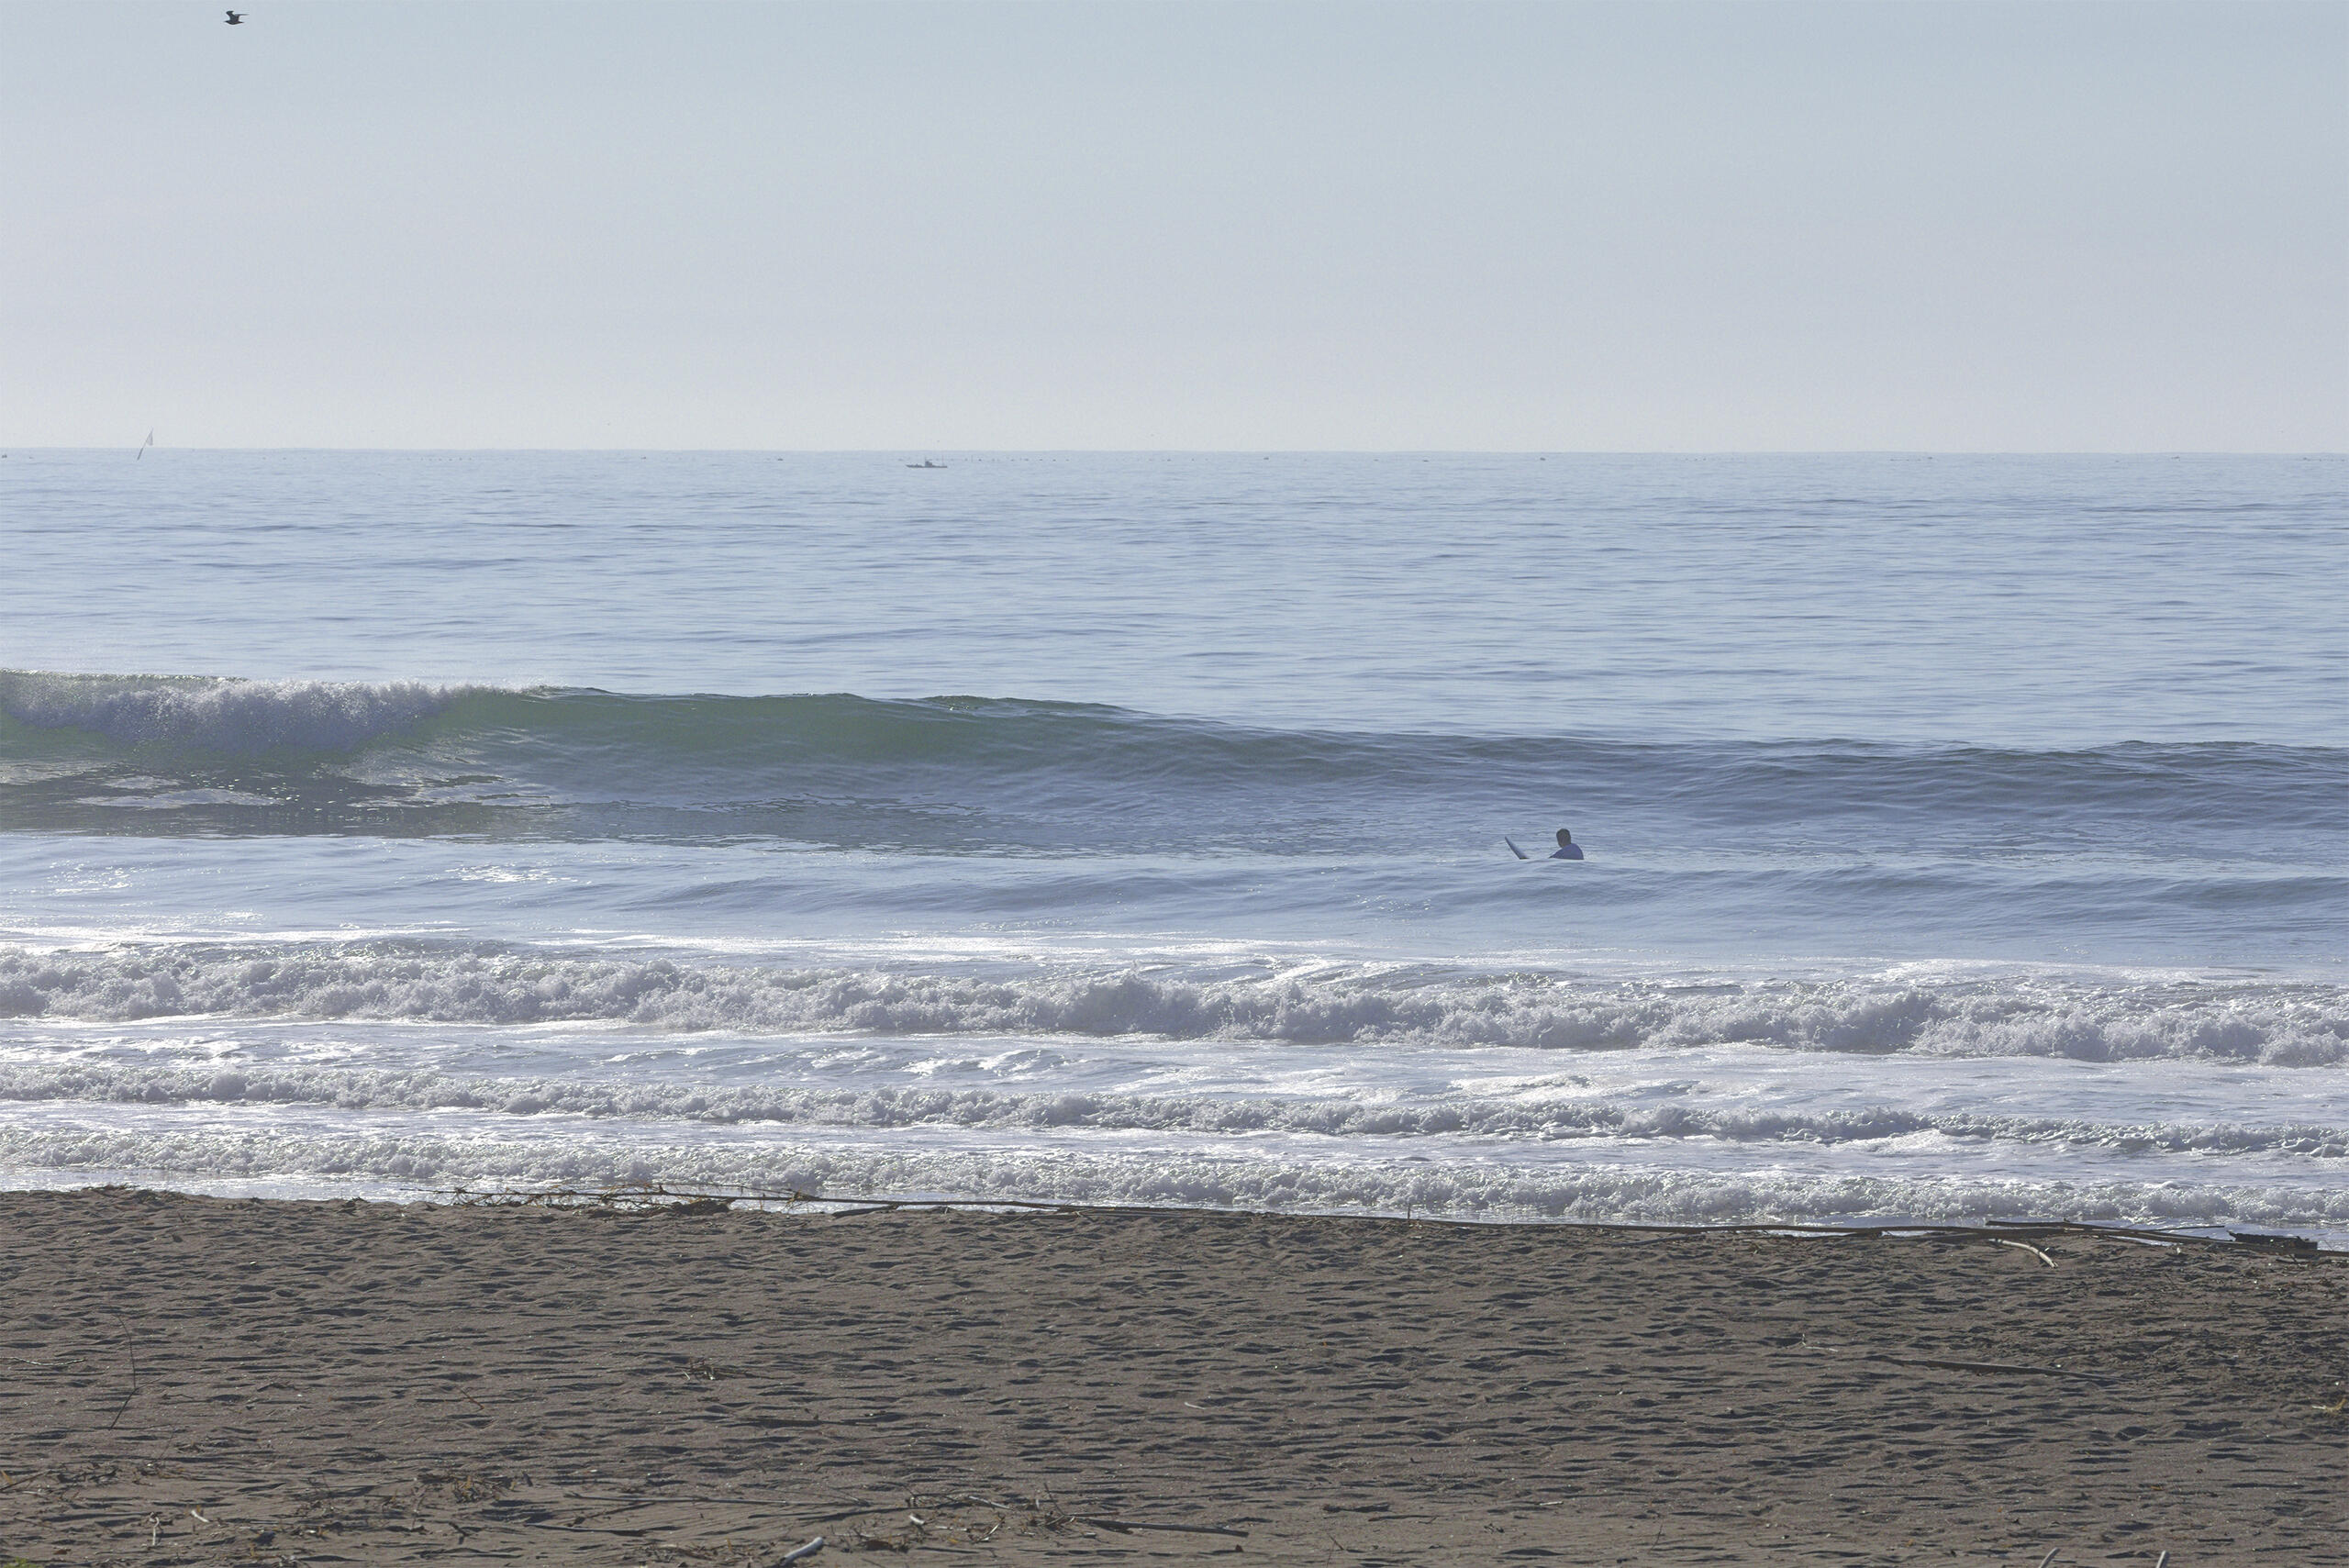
{"points": [[1966, 835]]}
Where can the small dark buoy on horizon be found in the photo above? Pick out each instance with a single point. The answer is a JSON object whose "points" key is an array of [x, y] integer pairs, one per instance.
{"points": [[235, 19]]}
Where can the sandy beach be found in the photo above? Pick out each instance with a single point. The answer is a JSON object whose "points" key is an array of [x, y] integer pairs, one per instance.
{"points": [[193, 1380]]}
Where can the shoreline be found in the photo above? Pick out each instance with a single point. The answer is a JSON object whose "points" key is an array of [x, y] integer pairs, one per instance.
{"points": [[636, 1195], [405, 1381]]}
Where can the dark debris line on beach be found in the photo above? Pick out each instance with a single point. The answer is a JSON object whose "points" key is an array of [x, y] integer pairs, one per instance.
{"points": [[627, 1195]]}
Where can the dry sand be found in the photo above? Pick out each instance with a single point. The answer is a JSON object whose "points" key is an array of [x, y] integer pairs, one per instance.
{"points": [[190, 1380]]}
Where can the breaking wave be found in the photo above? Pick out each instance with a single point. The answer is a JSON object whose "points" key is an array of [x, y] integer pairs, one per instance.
{"points": [[102, 752], [213, 715], [1536, 1116], [2302, 1024]]}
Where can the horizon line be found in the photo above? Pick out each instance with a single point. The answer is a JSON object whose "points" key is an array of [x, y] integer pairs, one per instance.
{"points": [[1227, 452]]}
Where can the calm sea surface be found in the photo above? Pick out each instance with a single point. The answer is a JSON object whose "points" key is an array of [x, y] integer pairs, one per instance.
{"points": [[1966, 835]]}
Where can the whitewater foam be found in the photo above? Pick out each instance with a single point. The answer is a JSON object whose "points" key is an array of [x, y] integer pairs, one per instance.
{"points": [[2304, 1024], [1535, 1116], [422, 1160], [221, 714]]}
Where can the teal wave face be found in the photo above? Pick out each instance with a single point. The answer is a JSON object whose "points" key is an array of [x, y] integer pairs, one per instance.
{"points": [[167, 755]]}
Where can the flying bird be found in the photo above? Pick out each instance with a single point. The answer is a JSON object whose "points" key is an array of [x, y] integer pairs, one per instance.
{"points": [[235, 19]]}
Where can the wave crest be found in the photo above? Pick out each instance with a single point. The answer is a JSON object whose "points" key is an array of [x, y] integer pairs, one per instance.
{"points": [[1536, 1116], [2303, 1025], [222, 716], [707, 748]]}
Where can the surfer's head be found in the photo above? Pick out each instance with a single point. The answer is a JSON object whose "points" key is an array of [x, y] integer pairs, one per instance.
{"points": [[1565, 838]]}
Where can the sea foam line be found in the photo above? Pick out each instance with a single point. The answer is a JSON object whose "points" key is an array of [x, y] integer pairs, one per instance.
{"points": [[1536, 1116], [1568, 1191], [2305, 1025]]}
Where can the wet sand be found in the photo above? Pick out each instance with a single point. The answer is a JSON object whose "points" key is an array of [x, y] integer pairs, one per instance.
{"points": [[191, 1380]]}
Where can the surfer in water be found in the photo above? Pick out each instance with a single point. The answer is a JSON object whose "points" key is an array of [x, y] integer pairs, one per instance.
{"points": [[1568, 848]]}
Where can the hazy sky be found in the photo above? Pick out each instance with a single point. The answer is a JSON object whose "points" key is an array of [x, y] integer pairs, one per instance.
{"points": [[1195, 225]]}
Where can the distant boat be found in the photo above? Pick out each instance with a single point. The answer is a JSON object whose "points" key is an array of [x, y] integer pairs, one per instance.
{"points": [[926, 463], [143, 446]]}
